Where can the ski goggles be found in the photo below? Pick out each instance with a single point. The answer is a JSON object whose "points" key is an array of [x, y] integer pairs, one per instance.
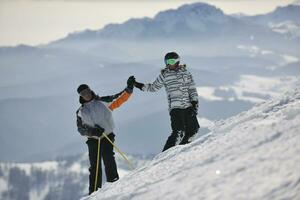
{"points": [[172, 61], [85, 92]]}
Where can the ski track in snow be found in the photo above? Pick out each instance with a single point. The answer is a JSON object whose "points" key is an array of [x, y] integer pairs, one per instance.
{"points": [[254, 155]]}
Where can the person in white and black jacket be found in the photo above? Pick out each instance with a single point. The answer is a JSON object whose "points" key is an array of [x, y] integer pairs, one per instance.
{"points": [[94, 117], [182, 99]]}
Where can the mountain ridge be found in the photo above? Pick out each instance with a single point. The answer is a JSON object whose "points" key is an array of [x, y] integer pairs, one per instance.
{"points": [[187, 20]]}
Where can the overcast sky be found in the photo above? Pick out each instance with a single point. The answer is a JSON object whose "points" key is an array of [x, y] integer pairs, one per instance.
{"points": [[35, 22]]}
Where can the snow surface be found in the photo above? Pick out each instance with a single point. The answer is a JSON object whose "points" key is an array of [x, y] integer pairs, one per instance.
{"points": [[3, 185], [208, 93], [254, 155], [39, 194], [290, 28], [77, 167], [205, 123], [290, 59]]}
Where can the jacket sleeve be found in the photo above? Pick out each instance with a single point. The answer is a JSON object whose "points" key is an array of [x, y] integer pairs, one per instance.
{"points": [[156, 85], [84, 130], [192, 89], [122, 98], [110, 98]]}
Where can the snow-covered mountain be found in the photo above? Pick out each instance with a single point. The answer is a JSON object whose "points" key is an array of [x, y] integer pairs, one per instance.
{"points": [[63, 179], [254, 155], [198, 20], [283, 20], [200, 25], [187, 20], [286, 13]]}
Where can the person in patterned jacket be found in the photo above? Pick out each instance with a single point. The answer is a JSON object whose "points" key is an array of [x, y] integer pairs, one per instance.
{"points": [[94, 117], [182, 99]]}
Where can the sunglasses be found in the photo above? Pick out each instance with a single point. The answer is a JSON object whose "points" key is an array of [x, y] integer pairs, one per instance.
{"points": [[172, 61], [85, 92]]}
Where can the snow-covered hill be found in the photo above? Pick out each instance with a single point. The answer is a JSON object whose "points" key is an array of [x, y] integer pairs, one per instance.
{"points": [[254, 155]]}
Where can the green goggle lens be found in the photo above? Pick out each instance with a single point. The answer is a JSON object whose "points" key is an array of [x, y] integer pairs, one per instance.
{"points": [[171, 61]]}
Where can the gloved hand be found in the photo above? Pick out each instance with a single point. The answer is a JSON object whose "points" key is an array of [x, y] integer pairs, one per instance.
{"points": [[130, 82], [139, 85], [195, 106], [97, 131]]}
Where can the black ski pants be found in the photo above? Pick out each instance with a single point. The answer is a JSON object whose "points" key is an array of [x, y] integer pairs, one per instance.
{"points": [[107, 154], [184, 125]]}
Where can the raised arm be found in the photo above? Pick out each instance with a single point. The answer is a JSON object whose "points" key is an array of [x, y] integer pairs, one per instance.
{"points": [[124, 96], [110, 98], [120, 100], [151, 87]]}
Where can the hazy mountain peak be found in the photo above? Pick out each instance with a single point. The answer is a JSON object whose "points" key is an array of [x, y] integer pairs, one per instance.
{"points": [[189, 18], [291, 7], [282, 14], [199, 10]]}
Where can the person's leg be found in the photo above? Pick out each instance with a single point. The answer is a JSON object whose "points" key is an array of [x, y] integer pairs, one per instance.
{"points": [[109, 159], [191, 126], [177, 124], [93, 151]]}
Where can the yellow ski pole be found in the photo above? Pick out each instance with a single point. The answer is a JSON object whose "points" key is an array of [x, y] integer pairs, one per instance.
{"points": [[120, 152], [97, 166]]}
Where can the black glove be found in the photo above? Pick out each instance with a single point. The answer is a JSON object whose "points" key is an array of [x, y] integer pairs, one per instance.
{"points": [[130, 82], [97, 131], [139, 85], [195, 106]]}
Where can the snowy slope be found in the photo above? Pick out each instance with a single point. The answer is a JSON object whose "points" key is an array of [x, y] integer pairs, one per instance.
{"points": [[254, 155]]}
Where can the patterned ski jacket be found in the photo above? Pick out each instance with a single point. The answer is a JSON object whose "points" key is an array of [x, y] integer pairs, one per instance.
{"points": [[179, 85], [99, 112]]}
